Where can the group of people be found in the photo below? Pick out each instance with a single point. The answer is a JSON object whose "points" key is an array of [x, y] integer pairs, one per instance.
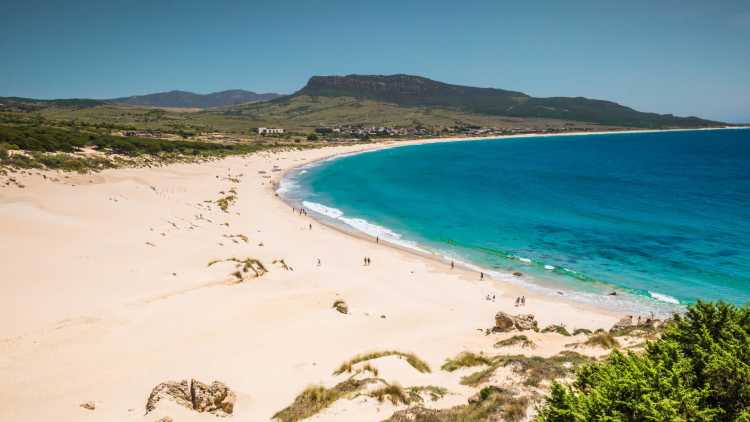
{"points": [[491, 298], [301, 211], [521, 301], [367, 261]]}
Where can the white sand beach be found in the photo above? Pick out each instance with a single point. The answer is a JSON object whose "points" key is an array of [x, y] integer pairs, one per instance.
{"points": [[106, 291]]}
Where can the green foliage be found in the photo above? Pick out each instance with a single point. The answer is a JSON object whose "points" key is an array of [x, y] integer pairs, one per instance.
{"points": [[699, 370], [51, 139]]}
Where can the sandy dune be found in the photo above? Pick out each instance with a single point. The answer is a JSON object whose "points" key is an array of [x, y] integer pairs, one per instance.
{"points": [[106, 291]]}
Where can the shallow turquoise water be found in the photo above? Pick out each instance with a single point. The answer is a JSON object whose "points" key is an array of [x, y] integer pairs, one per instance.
{"points": [[661, 218]]}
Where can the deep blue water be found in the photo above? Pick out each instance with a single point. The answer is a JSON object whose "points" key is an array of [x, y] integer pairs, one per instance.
{"points": [[657, 217]]}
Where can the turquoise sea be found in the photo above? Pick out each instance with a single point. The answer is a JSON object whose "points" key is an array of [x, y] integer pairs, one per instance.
{"points": [[662, 218]]}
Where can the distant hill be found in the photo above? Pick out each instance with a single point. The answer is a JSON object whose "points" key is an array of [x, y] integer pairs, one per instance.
{"points": [[186, 99], [416, 91], [31, 104]]}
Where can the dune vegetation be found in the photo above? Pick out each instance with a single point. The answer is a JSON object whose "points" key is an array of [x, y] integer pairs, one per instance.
{"points": [[698, 370]]}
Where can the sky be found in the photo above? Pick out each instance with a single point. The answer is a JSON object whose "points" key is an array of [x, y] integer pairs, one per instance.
{"points": [[682, 57]]}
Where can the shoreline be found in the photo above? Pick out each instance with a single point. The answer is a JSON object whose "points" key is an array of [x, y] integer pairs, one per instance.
{"points": [[533, 285]]}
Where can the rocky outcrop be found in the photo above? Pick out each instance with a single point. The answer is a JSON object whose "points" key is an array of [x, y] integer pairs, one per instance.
{"points": [[630, 325], [505, 322], [216, 398]]}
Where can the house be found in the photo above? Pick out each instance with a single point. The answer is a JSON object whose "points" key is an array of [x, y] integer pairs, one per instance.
{"points": [[269, 131]]}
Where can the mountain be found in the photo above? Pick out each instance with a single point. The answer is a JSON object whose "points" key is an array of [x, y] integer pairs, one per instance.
{"points": [[416, 91], [186, 99]]}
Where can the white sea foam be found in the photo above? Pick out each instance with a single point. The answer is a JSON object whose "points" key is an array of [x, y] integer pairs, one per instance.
{"points": [[526, 260], [549, 267], [362, 225], [664, 298], [329, 212], [287, 185]]}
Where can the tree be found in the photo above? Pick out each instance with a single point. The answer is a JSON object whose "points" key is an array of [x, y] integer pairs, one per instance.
{"points": [[699, 370]]}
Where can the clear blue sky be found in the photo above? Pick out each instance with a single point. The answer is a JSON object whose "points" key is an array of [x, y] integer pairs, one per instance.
{"points": [[683, 57]]}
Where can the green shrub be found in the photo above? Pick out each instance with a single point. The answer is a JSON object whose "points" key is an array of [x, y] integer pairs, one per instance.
{"points": [[699, 370]]}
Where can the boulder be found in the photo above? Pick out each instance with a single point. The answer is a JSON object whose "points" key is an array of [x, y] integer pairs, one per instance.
{"points": [[526, 322], [506, 322], [216, 398], [503, 322]]}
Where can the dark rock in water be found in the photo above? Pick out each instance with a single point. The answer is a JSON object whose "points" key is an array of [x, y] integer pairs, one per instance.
{"points": [[613, 293], [506, 322], [216, 398], [517, 273]]}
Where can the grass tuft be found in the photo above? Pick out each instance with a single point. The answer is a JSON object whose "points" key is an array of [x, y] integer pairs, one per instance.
{"points": [[411, 358], [516, 340], [492, 403], [581, 331], [315, 398], [534, 369], [603, 340], [559, 329], [465, 360]]}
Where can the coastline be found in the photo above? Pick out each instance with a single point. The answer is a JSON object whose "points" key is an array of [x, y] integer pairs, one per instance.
{"points": [[506, 277], [109, 288]]}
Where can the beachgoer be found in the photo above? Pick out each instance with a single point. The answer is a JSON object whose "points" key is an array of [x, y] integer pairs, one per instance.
{"points": [[452, 265], [481, 276], [523, 300], [310, 226], [518, 300], [318, 262]]}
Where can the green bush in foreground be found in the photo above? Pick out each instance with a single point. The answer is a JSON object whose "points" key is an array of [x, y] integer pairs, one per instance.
{"points": [[698, 371]]}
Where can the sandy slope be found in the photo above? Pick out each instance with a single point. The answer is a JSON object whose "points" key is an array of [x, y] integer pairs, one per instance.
{"points": [[105, 291]]}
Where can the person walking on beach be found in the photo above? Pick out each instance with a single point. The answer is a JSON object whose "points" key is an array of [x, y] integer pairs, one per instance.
{"points": [[518, 300], [310, 226], [318, 262], [377, 239], [523, 300], [481, 276], [452, 265]]}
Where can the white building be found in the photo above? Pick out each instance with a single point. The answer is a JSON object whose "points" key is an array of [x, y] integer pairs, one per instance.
{"points": [[269, 131]]}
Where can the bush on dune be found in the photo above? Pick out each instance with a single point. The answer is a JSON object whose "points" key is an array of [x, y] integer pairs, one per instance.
{"points": [[699, 370]]}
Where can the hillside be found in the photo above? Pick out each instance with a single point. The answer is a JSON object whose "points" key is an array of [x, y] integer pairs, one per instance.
{"points": [[185, 99], [305, 112], [416, 91]]}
